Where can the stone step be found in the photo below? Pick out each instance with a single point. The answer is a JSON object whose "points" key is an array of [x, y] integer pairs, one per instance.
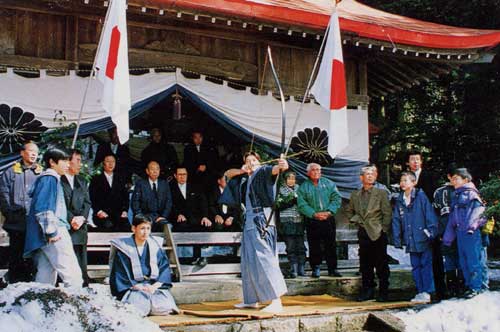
{"points": [[216, 288]]}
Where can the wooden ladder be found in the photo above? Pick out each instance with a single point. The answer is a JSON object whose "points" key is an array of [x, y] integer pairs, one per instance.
{"points": [[171, 250]]}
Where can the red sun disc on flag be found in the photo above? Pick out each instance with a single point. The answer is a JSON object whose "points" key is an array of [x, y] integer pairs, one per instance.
{"points": [[338, 96], [114, 46]]}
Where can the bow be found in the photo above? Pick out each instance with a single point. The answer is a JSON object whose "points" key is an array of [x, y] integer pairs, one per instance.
{"points": [[283, 149], [282, 99]]}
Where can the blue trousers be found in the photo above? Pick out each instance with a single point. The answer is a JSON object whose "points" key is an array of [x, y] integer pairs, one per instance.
{"points": [[469, 251], [421, 269], [484, 268]]}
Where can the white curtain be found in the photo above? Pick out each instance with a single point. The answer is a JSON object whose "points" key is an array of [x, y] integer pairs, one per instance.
{"points": [[56, 101]]}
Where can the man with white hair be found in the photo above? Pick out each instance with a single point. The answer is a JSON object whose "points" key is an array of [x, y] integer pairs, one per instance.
{"points": [[318, 200]]}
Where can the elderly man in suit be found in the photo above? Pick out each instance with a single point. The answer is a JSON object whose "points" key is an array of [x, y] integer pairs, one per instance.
{"points": [[109, 197], [190, 208], [76, 196], [370, 210], [152, 197]]}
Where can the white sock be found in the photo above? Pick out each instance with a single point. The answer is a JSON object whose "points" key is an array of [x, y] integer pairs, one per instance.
{"points": [[274, 307], [244, 305]]}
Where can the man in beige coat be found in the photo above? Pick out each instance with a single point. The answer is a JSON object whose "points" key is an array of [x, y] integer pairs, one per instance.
{"points": [[370, 210]]}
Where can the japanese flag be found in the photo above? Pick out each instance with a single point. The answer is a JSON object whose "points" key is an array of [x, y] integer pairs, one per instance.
{"points": [[329, 89], [112, 68]]}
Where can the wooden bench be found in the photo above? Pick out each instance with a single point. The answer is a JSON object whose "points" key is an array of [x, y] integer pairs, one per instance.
{"points": [[100, 242], [344, 238]]}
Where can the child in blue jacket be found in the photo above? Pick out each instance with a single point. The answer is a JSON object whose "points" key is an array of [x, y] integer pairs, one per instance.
{"points": [[465, 221], [414, 224]]}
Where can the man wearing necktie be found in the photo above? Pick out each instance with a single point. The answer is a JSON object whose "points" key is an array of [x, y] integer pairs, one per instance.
{"points": [[152, 197]]}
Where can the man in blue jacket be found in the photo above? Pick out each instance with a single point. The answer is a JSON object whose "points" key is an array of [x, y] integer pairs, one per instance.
{"points": [[152, 197]]}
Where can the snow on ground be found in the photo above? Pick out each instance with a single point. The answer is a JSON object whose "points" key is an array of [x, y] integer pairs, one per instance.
{"points": [[28, 307], [479, 314]]}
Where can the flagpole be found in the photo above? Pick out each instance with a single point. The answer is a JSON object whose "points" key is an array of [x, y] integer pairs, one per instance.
{"points": [[306, 93], [92, 71]]}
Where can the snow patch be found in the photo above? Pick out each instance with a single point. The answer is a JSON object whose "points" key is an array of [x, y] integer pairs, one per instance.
{"points": [[479, 314], [28, 307]]}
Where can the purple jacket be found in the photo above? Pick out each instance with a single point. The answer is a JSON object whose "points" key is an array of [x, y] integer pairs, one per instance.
{"points": [[466, 213]]}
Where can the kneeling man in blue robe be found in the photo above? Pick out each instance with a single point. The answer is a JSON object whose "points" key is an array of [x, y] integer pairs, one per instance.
{"points": [[140, 271]]}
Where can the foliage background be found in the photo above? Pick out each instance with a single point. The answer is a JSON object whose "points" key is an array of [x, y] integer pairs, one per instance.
{"points": [[453, 118]]}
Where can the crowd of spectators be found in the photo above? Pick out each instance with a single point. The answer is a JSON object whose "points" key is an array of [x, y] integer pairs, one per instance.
{"points": [[440, 228]]}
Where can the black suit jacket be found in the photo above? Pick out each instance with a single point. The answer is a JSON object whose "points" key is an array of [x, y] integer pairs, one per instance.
{"points": [[145, 202], [78, 204], [214, 209], [427, 182], [113, 200], [123, 161], [192, 158], [194, 207]]}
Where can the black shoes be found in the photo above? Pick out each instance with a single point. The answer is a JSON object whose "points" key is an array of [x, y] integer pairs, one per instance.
{"points": [[469, 294], [382, 296], [366, 294], [201, 261], [334, 273]]}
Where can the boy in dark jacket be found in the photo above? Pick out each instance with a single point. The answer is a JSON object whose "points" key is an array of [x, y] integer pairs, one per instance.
{"points": [[442, 204], [465, 221], [414, 224]]}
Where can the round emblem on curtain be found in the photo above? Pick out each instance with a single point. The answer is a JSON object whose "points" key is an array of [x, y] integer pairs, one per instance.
{"points": [[16, 127], [311, 145]]}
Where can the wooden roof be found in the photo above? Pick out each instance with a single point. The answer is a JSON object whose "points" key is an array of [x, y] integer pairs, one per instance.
{"points": [[399, 52], [356, 18]]}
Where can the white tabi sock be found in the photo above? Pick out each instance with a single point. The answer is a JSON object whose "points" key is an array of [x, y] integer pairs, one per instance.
{"points": [[244, 305], [274, 307]]}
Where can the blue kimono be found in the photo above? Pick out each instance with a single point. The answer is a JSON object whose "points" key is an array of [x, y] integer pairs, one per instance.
{"points": [[48, 219], [47, 213], [262, 280], [129, 268]]}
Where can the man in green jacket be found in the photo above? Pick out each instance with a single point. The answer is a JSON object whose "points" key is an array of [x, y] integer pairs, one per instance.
{"points": [[318, 200], [370, 210]]}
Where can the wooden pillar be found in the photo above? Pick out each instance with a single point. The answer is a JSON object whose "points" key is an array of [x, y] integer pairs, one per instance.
{"points": [[363, 76]]}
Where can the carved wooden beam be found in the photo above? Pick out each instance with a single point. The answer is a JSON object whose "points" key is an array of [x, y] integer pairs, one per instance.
{"points": [[33, 62], [229, 69]]}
